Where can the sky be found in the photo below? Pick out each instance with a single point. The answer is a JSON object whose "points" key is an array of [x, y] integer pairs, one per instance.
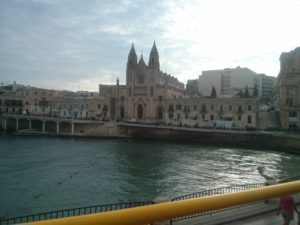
{"points": [[76, 45]]}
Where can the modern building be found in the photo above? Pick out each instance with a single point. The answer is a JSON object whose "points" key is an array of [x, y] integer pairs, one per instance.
{"points": [[229, 82], [265, 87], [289, 89], [192, 87]]}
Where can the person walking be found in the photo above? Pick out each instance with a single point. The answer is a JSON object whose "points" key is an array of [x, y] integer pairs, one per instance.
{"points": [[287, 207]]}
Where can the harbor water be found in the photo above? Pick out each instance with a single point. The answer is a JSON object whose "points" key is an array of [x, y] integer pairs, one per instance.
{"points": [[40, 174]]}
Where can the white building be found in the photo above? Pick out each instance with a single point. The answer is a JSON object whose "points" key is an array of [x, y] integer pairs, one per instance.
{"points": [[229, 82], [266, 85]]}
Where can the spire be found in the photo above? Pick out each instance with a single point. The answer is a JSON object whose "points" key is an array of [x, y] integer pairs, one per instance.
{"points": [[132, 50], [154, 58], [132, 58], [154, 49], [141, 61]]}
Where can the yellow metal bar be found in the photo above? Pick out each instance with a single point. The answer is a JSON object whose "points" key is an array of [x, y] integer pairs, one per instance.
{"points": [[169, 210]]}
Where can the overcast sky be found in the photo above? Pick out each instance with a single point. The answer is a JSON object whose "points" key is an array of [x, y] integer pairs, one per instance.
{"points": [[76, 44]]}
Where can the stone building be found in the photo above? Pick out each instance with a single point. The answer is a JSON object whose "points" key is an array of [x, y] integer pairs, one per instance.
{"points": [[289, 89], [81, 108], [147, 88], [226, 113], [52, 103]]}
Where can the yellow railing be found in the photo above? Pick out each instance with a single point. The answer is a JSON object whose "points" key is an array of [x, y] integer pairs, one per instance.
{"points": [[169, 210]]}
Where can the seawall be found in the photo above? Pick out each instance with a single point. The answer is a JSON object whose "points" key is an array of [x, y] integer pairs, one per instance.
{"points": [[82, 128], [270, 140]]}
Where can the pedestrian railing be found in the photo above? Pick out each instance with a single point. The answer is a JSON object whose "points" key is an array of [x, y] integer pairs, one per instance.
{"points": [[71, 212], [116, 206], [294, 178], [217, 191]]}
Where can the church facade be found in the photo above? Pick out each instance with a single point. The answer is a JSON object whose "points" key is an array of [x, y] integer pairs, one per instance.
{"points": [[147, 89]]}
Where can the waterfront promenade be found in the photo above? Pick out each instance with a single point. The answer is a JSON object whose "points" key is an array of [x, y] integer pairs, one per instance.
{"points": [[261, 213]]}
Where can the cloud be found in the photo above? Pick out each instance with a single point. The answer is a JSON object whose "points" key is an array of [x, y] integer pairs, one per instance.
{"points": [[68, 42]]}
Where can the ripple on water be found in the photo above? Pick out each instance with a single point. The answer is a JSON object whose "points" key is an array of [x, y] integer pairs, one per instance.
{"points": [[42, 174]]}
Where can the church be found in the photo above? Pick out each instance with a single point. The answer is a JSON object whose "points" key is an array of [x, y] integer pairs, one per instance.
{"points": [[147, 88], [151, 95]]}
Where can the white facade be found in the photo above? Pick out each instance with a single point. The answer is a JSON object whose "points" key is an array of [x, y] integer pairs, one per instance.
{"points": [[229, 82], [266, 85]]}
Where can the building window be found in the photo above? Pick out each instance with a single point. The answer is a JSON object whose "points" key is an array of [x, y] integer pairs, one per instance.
{"points": [[151, 91], [98, 106], [212, 107], [289, 102], [293, 114], [129, 92], [171, 115], [211, 117], [171, 109], [249, 120], [239, 117], [203, 116], [178, 107], [240, 109], [249, 108], [230, 107], [221, 109]]}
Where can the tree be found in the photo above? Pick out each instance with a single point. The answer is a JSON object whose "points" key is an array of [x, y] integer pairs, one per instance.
{"points": [[213, 93], [247, 92], [255, 91]]}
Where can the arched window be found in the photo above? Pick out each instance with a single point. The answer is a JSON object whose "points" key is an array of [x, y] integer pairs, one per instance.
{"points": [[140, 111], [122, 112], [160, 112]]}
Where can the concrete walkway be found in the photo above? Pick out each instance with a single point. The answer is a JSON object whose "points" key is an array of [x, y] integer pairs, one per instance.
{"points": [[260, 213]]}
